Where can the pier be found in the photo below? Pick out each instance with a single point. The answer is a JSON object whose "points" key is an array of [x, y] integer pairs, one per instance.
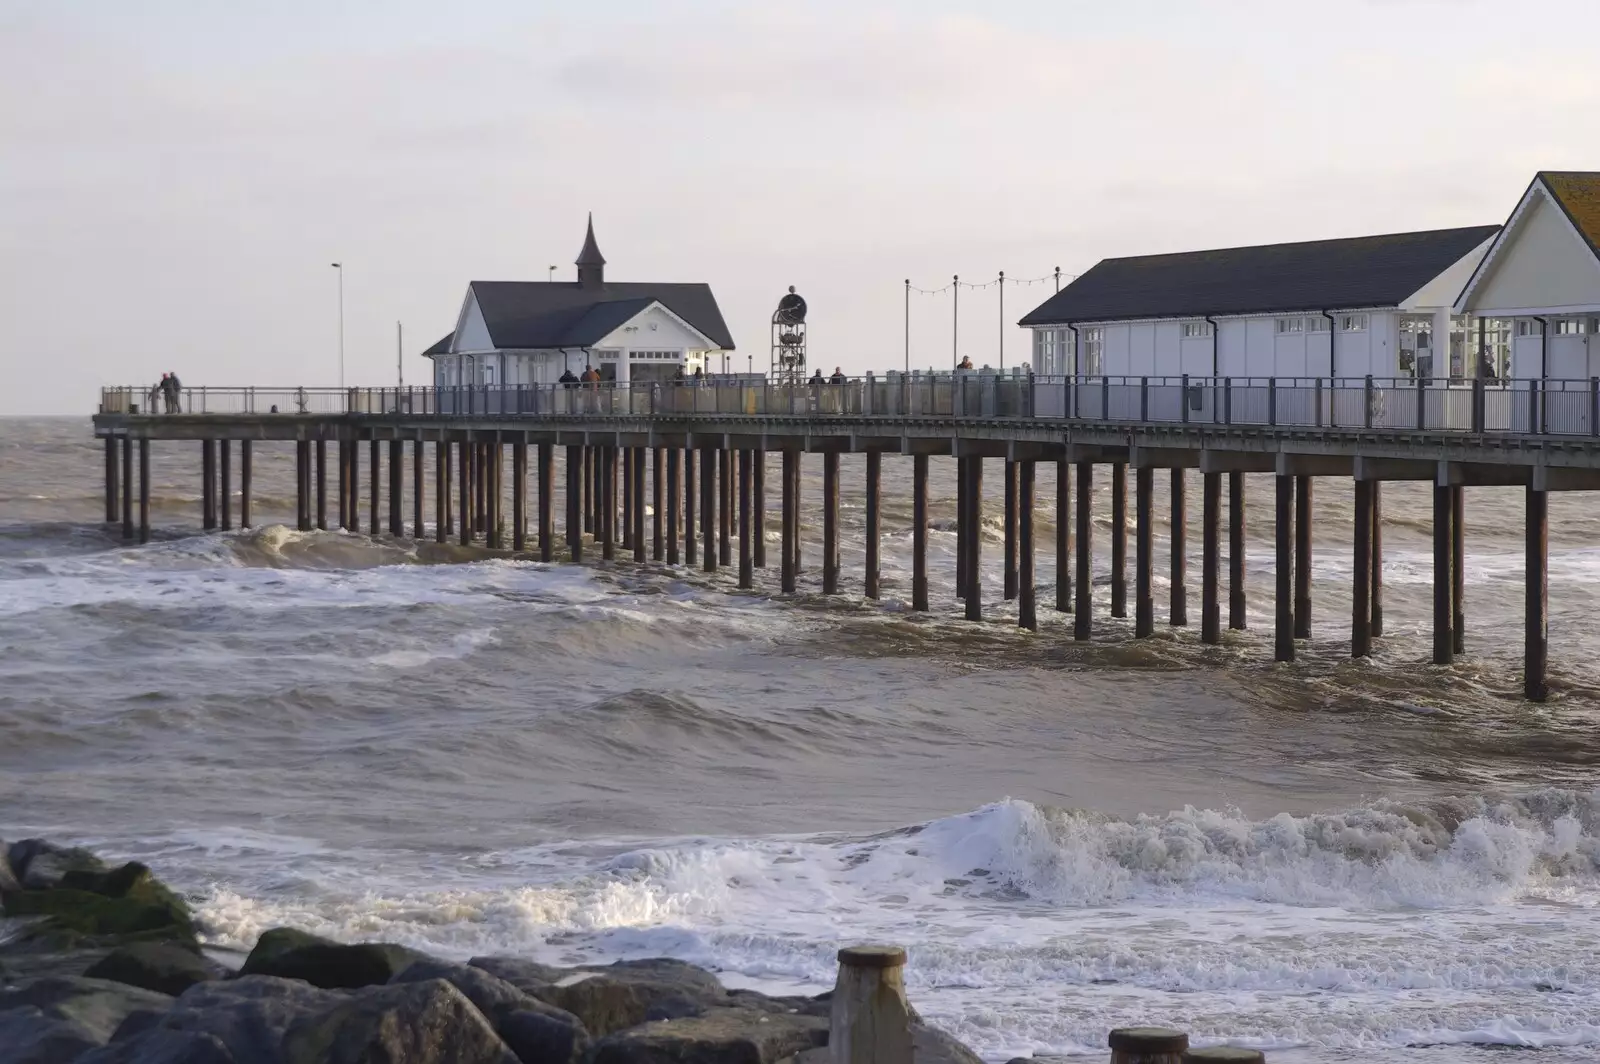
{"points": [[632, 449]]}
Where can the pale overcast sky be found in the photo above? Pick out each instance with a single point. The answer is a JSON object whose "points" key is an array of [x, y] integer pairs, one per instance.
{"points": [[177, 175]]}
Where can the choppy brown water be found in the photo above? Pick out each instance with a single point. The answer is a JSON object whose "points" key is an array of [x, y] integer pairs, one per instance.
{"points": [[473, 751]]}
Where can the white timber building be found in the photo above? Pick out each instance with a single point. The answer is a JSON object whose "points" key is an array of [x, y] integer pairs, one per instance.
{"points": [[1347, 308], [511, 333]]}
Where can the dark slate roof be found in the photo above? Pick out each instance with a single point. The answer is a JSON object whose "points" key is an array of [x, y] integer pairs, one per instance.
{"points": [[567, 314], [441, 347], [1368, 271]]}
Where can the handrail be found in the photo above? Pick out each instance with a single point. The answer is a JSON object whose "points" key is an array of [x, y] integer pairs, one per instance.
{"points": [[1564, 407]]}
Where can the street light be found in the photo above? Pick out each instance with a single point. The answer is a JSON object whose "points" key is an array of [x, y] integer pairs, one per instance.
{"points": [[340, 267], [552, 278]]}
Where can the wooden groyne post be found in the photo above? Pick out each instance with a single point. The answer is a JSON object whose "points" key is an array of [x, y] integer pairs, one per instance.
{"points": [[870, 1022]]}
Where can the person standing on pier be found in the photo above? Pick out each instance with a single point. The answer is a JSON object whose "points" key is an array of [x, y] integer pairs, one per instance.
{"points": [[174, 394]]}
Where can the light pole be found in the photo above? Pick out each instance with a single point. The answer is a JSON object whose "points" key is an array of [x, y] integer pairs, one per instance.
{"points": [[340, 267], [552, 278]]}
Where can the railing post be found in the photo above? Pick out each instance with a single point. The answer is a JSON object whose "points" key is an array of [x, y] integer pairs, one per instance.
{"points": [[1105, 398], [1480, 407], [1183, 402], [1272, 400], [1144, 399], [1366, 402], [1227, 400], [1317, 397], [870, 1019], [1422, 408]]}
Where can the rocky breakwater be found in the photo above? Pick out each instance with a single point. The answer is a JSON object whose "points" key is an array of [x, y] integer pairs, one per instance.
{"points": [[104, 965]]}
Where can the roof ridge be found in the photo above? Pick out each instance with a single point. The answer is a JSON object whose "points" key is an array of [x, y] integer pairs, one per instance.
{"points": [[1305, 243]]}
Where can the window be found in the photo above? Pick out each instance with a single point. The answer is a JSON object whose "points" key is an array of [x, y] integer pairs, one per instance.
{"points": [[1317, 324], [1094, 345], [1291, 325], [1196, 329], [1353, 323], [1527, 327], [1571, 327]]}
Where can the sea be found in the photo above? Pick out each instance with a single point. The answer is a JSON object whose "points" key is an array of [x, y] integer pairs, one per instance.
{"points": [[471, 752]]}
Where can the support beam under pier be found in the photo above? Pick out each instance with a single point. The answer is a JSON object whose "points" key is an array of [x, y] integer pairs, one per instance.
{"points": [[1027, 607], [1083, 600], [874, 521], [1144, 608], [1210, 561], [1119, 539], [1283, 629], [919, 532], [1536, 649]]}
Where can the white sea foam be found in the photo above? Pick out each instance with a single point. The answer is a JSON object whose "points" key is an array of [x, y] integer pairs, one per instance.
{"points": [[1034, 930]]}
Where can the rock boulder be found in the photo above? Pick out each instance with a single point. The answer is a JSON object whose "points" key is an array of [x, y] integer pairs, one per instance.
{"points": [[719, 1036], [158, 966], [96, 1006], [429, 1022], [162, 1047], [249, 1015], [329, 965], [537, 1032]]}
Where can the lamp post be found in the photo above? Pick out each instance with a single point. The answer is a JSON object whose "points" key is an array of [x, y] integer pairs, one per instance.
{"points": [[552, 278], [340, 267]]}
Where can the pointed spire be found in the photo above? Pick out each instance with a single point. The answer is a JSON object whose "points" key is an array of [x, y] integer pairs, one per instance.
{"points": [[591, 264]]}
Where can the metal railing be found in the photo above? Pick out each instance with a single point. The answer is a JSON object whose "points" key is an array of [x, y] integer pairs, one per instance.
{"points": [[1540, 407]]}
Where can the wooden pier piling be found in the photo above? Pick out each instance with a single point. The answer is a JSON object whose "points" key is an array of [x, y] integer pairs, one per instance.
{"points": [[974, 596], [636, 507], [708, 508], [374, 479], [691, 543], [1443, 577], [874, 529], [464, 492], [1377, 559], [225, 490], [418, 485], [246, 488], [208, 486], [1458, 573], [725, 505], [1143, 599], [1027, 606], [127, 487], [397, 468], [830, 522], [1302, 557], [759, 489], [606, 520], [746, 521], [1083, 599], [1361, 575], [674, 502], [1238, 617], [587, 483], [628, 459], [1283, 629], [441, 489], [919, 532], [1063, 536], [1210, 560], [321, 448], [144, 490], [547, 484], [658, 518], [1178, 593], [575, 467], [1009, 523], [113, 487], [791, 506], [1536, 646], [1119, 539], [519, 495], [302, 489]]}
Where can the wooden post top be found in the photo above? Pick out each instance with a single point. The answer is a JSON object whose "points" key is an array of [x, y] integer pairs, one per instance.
{"points": [[872, 956], [1149, 1040]]}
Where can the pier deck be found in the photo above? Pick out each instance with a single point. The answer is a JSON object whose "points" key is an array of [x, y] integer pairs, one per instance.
{"points": [[1542, 436]]}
